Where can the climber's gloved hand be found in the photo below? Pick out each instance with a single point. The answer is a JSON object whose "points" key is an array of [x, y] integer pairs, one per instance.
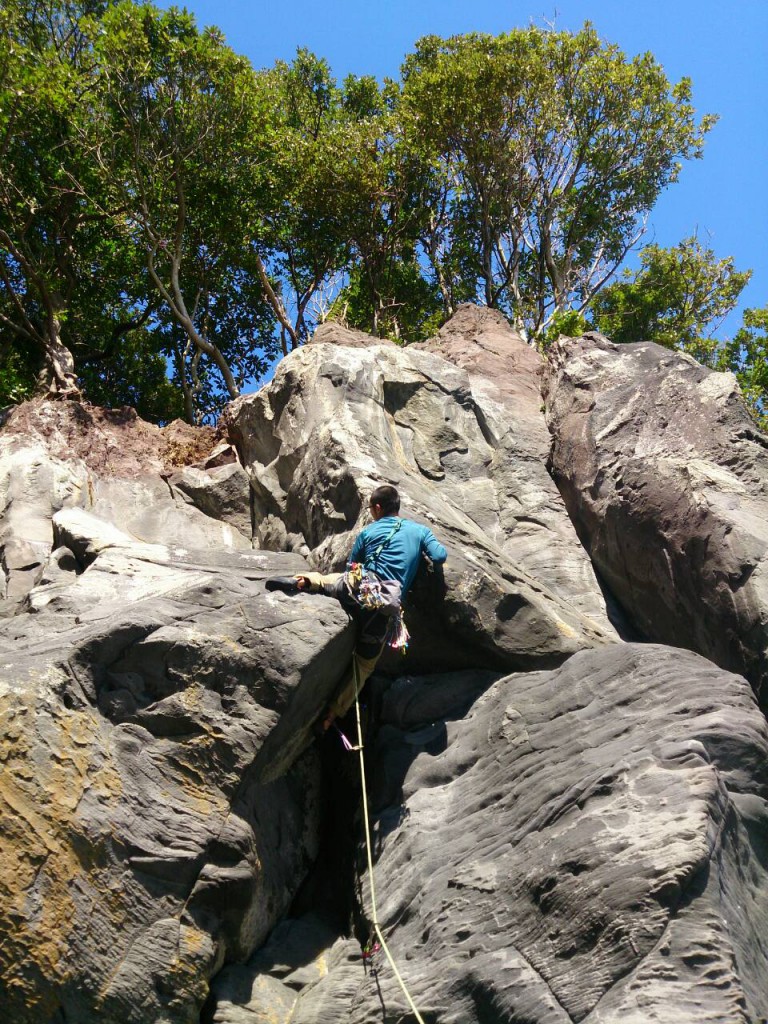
{"points": [[311, 581]]}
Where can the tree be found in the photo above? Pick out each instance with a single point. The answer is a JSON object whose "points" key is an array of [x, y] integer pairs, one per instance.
{"points": [[301, 232], [389, 293], [678, 298], [132, 372], [550, 149], [52, 237], [174, 135], [746, 355]]}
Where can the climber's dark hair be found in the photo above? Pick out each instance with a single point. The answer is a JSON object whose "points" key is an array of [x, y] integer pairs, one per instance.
{"points": [[388, 498]]}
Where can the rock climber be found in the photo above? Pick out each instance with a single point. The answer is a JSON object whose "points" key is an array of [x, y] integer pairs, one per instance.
{"points": [[381, 568]]}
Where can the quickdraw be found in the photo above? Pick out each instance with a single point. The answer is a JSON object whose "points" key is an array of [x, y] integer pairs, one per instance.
{"points": [[348, 746], [397, 634], [370, 959]]}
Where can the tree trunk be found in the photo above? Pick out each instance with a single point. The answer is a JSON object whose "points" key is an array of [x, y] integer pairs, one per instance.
{"points": [[58, 377]]}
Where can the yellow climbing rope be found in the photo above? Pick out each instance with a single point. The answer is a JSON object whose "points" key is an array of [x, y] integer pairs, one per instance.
{"points": [[374, 912]]}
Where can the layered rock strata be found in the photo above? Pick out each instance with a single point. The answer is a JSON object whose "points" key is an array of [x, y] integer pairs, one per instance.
{"points": [[586, 844], [159, 786], [584, 839]]}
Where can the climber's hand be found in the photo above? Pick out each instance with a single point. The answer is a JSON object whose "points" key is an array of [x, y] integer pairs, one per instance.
{"points": [[311, 581]]}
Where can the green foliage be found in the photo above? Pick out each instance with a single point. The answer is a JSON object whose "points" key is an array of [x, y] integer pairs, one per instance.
{"points": [[677, 298], [172, 134], [133, 373], [570, 323], [549, 148], [309, 170], [51, 229], [413, 313], [17, 375], [746, 355], [163, 204]]}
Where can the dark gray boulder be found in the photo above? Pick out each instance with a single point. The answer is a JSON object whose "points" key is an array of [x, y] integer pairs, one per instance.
{"points": [[666, 478], [159, 783], [587, 844]]}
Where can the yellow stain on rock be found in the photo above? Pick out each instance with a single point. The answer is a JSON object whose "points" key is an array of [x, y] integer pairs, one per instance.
{"points": [[567, 630], [50, 757]]}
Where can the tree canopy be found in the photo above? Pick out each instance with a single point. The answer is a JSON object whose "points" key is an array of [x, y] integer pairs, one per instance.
{"points": [[677, 298], [551, 149], [746, 355], [172, 220]]}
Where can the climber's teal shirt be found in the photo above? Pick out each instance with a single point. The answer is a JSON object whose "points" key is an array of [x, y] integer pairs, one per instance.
{"points": [[399, 558]]}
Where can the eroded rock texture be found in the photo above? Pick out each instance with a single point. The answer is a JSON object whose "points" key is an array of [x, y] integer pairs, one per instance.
{"points": [[585, 839], [585, 844], [666, 478], [159, 788], [55, 456], [468, 454]]}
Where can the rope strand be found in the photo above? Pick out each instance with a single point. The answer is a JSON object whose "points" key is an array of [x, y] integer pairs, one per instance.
{"points": [[374, 912]]}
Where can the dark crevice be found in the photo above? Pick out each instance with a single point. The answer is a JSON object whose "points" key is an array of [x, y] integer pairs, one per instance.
{"points": [[331, 891], [618, 617], [331, 887], [488, 435], [252, 507], [166, 478]]}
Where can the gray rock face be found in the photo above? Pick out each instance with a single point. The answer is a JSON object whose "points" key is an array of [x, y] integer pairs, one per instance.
{"points": [[583, 840], [54, 457], [159, 788], [469, 459], [666, 478], [221, 492], [505, 379], [587, 844]]}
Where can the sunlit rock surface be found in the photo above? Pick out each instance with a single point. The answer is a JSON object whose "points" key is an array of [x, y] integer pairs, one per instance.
{"points": [[469, 458], [666, 478], [159, 785], [566, 827], [61, 455]]}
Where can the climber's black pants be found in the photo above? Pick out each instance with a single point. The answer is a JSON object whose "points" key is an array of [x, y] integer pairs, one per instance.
{"points": [[371, 632]]}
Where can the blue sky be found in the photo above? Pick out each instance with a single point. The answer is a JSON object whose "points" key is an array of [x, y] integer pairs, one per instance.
{"points": [[722, 45]]}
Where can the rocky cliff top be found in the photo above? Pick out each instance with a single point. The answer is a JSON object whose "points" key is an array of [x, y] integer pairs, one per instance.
{"points": [[111, 442]]}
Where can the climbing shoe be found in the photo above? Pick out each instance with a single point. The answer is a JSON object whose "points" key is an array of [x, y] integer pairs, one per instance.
{"points": [[288, 584]]}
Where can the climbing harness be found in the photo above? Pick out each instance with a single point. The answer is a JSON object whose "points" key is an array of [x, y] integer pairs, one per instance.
{"points": [[371, 592], [368, 850], [374, 594]]}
